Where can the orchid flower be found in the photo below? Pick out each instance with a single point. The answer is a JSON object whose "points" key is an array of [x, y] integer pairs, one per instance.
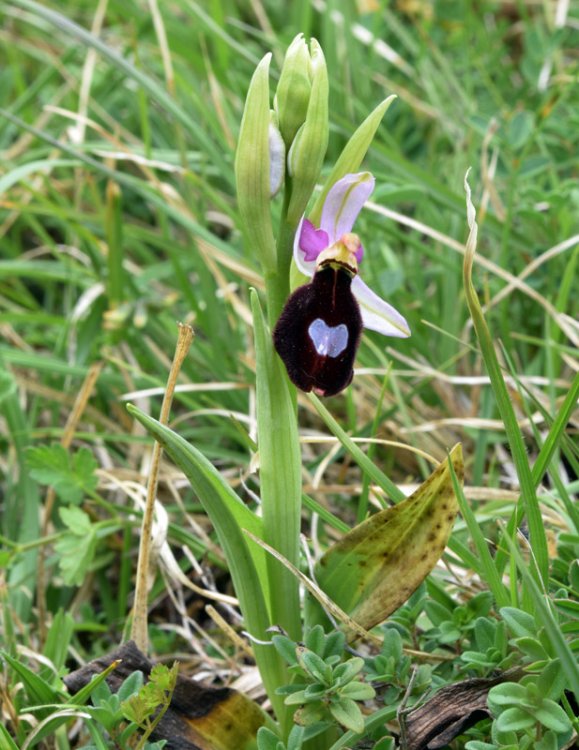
{"points": [[318, 332], [341, 208]]}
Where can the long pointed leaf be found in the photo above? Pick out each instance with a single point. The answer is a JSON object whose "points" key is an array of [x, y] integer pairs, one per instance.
{"points": [[38, 690], [229, 517], [374, 568]]}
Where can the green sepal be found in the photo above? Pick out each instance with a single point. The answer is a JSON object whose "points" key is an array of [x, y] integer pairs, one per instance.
{"points": [[352, 155]]}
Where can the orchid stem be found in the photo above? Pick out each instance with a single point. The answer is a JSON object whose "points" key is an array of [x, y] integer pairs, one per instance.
{"points": [[277, 282]]}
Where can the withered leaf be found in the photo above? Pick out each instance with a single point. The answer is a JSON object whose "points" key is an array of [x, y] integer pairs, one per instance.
{"points": [[199, 717], [374, 568]]}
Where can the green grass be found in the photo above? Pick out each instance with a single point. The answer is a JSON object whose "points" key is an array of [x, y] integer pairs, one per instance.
{"points": [[118, 217]]}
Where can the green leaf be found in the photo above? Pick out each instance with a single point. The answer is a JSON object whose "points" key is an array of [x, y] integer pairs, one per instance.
{"points": [[547, 742], [487, 566], [298, 736], [520, 129], [315, 640], [132, 684], [246, 561], [7, 741], [296, 698], [76, 548], [519, 622], [314, 665], [347, 713], [552, 716], [545, 618], [485, 632], [437, 613], [358, 691], [70, 474], [507, 694], [504, 402], [310, 714], [376, 566], [514, 720], [552, 680], [7, 382], [96, 683], [58, 639], [315, 692], [569, 607], [38, 690], [267, 740], [52, 721], [346, 672], [286, 648], [532, 647], [13, 176]]}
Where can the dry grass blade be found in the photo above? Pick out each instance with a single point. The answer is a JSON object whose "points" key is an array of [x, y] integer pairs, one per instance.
{"points": [[139, 624]]}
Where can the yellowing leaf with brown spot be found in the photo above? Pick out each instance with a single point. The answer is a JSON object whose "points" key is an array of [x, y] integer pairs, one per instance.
{"points": [[376, 566]]}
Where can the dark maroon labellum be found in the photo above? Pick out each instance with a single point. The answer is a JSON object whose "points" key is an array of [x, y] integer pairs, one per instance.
{"points": [[318, 332]]}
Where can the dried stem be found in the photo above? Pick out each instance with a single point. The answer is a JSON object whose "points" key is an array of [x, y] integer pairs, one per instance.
{"points": [[139, 624]]}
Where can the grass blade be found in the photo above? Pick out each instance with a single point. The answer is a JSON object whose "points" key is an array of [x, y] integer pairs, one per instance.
{"points": [[515, 439]]}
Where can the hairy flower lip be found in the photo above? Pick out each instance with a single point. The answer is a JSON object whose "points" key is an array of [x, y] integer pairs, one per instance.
{"points": [[341, 208]]}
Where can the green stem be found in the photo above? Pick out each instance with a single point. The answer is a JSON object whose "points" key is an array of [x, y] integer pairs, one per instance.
{"points": [[277, 282], [280, 489]]}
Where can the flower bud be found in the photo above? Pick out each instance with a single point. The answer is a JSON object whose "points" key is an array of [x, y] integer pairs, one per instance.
{"points": [[293, 90], [308, 149], [252, 167]]}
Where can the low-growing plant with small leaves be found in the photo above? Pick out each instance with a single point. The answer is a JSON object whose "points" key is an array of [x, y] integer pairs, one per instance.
{"points": [[325, 687], [527, 715], [126, 719], [390, 670], [453, 621]]}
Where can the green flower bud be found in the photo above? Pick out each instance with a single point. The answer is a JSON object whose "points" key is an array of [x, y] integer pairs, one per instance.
{"points": [[293, 90], [308, 149], [252, 167]]}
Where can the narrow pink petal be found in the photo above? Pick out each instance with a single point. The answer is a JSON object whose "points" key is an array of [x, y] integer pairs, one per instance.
{"points": [[377, 314], [312, 240], [344, 202]]}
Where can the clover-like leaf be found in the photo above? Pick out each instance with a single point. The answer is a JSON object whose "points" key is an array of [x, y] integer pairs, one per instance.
{"points": [[70, 474], [76, 547]]}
